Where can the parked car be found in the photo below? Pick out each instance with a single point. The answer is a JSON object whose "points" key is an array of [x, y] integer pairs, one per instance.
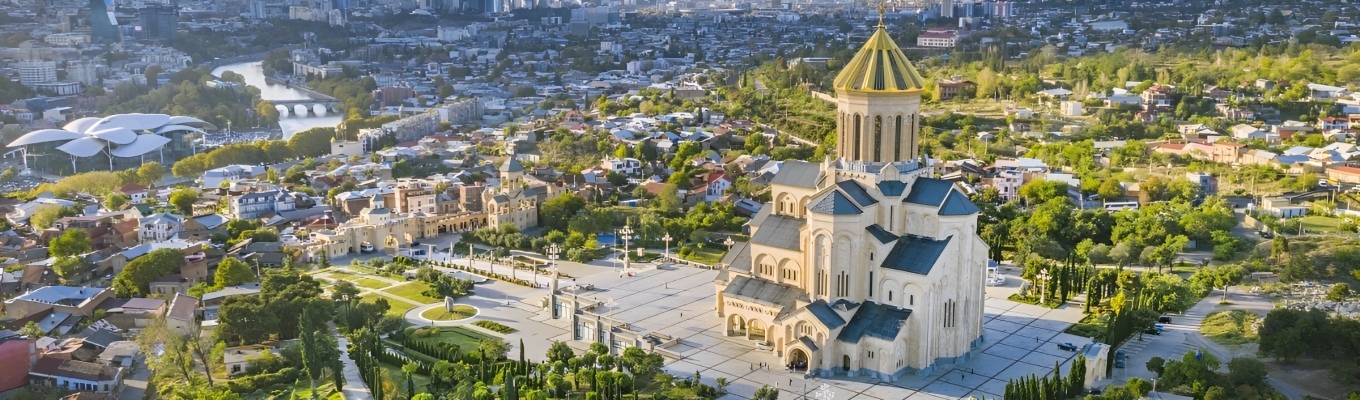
{"points": [[366, 248], [1067, 346], [1119, 359], [1164, 319], [1152, 331]]}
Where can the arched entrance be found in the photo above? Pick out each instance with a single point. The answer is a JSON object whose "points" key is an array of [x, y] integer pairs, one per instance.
{"points": [[736, 325], [845, 363], [798, 360], [390, 245], [756, 330]]}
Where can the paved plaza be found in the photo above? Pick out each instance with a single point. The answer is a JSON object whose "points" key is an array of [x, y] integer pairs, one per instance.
{"points": [[1020, 339]]}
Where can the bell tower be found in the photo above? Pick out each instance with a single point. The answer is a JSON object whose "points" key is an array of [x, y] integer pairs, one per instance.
{"points": [[878, 102]]}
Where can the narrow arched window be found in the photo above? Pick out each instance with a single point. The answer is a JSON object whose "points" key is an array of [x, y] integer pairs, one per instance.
{"points": [[878, 138], [897, 139]]}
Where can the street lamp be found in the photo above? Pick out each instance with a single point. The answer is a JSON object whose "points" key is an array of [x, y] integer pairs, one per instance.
{"points": [[627, 233], [553, 251], [1043, 294], [668, 240]]}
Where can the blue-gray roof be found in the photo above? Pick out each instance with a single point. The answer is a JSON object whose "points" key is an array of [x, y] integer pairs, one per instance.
{"points": [[958, 204], [875, 320], [857, 193], [762, 292], [835, 203], [881, 234], [824, 313], [797, 173], [929, 191], [778, 231], [892, 188], [915, 254], [808, 342]]}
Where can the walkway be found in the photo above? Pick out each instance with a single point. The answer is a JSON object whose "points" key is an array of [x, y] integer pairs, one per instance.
{"points": [[354, 383]]}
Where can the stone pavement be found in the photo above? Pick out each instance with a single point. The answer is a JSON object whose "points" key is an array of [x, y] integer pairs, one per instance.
{"points": [[1020, 339]]}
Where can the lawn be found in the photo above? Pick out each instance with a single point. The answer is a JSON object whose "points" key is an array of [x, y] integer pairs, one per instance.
{"points": [[459, 312], [463, 337], [414, 291], [303, 390], [1090, 326], [1230, 327], [707, 255], [397, 308], [1318, 223], [339, 275], [399, 378], [371, 283]]}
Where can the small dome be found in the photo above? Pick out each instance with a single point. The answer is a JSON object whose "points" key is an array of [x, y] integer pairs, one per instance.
{"points": [[879, 66]]}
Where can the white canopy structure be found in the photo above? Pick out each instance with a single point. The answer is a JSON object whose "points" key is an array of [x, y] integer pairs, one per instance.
{"points": [[122, 135]]}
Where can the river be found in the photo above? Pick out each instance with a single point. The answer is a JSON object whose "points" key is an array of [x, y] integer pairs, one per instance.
{"points": [[290, 122]]}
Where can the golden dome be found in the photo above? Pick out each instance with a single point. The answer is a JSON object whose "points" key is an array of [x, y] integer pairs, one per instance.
{"points": [[879, 67]]}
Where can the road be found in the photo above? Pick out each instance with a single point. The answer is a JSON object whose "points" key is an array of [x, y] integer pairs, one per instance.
{"points": [[1182, 336]]}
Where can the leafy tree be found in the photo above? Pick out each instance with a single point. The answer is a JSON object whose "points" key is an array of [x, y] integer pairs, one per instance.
{"points": [[46, 215], [669, 199], [555, 213], [1339, 292], [32, 330], [132, 281], [1155, 365], [115, 201], [149, 174], [1040, 191], [183, 199], [766, 393], [67, 267], [72, 242], [344, 291], [232, 271], [559, 351], [267, 112], [319, 350]]}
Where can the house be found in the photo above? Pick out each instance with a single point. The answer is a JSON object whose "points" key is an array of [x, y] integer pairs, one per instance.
{"points": [[119, 354], [180, 318], [936, 37], [1344, 173], [1319, 92], [715, 183], [22, 212], [1330, 123], [217, 176], [1157, 97], [160, 227], [950, 88], [80, 301], [1281, 207], [1123, 100], [1244, 132], [215, 298], [17, 355], [236, 359], [76, 375], [135, 193], [254, 205], [626, 166]]}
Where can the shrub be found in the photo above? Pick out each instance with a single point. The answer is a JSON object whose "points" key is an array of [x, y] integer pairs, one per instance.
{"points": [[494, 326]]}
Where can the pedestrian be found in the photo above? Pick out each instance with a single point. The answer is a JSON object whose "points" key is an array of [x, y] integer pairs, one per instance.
{"points": [[790, 382]]}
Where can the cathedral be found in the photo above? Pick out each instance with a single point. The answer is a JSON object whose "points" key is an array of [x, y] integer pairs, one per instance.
{"points": [[863, 265]]}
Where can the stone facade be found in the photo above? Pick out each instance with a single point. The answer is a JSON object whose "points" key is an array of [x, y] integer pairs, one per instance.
{"points": [[864, 265]]}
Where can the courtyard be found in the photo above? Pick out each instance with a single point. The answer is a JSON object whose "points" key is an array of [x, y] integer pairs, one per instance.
{"points": [[1020, 339]]}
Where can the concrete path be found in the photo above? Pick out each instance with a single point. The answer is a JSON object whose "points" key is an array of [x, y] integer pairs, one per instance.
{"points": [[354, 383]]}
